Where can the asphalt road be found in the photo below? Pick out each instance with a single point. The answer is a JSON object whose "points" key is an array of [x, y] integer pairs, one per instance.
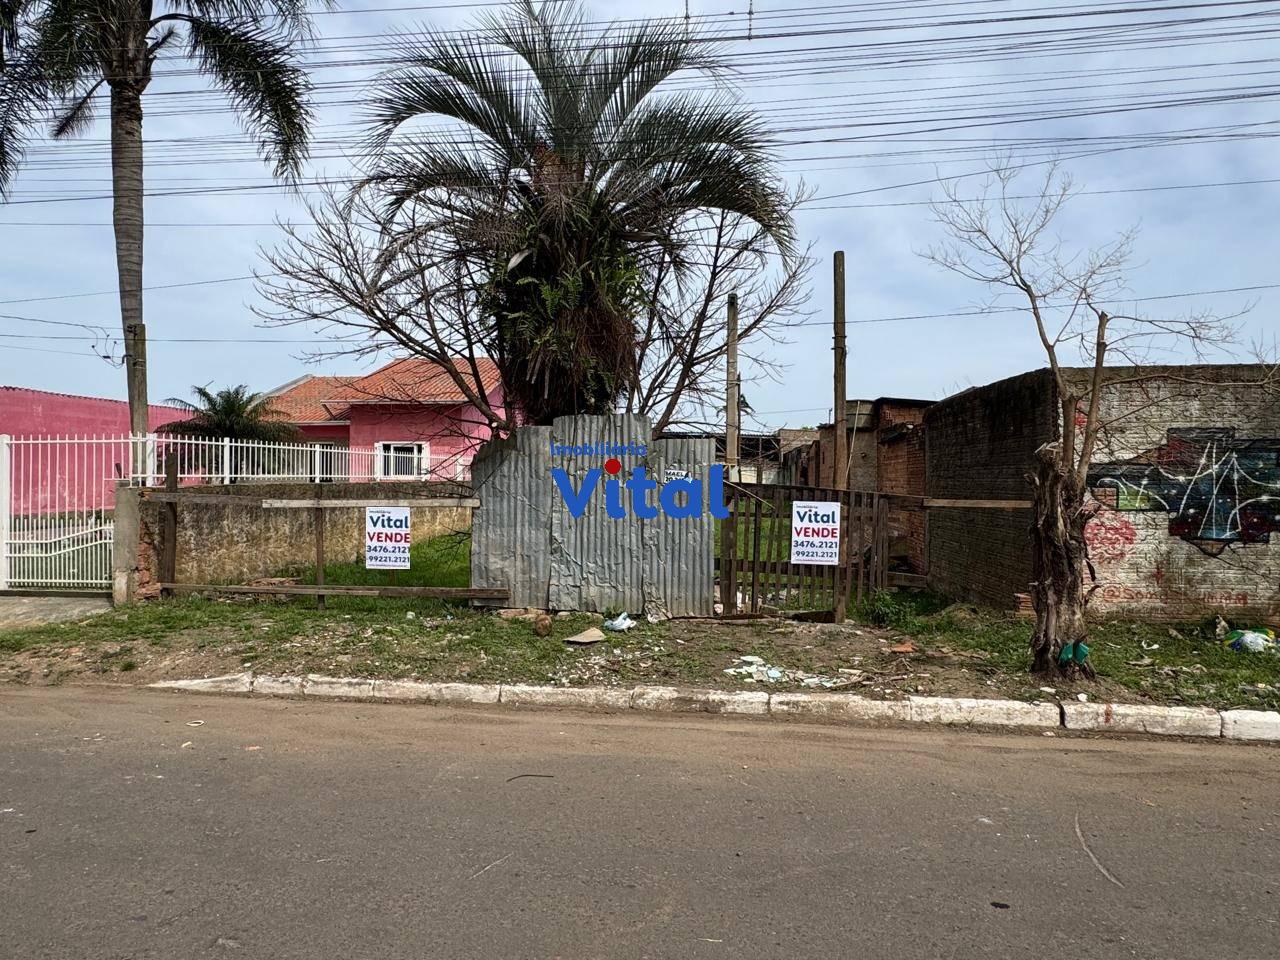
{"points": [[282, 829]]}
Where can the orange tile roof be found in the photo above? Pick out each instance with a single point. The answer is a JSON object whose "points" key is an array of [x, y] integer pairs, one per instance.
{"points": [[411, 380], [415, 380], [303, 401]]}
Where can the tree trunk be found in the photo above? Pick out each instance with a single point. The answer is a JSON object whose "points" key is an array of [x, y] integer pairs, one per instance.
{"points": [[127, 218], [1059, 562]]}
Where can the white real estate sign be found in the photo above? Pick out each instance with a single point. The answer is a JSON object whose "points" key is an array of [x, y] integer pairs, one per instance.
{"points": [[387, 538], [815, 532]]}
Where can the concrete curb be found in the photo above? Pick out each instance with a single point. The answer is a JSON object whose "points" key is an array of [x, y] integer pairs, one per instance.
{"points": [[1200, 722]]}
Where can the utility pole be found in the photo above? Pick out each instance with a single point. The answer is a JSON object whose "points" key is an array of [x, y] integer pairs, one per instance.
{"points": [[732, 394], [840, 466]]}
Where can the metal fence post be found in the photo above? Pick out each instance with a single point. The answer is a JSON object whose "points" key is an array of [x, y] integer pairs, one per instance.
{"points": [[6, 504]]}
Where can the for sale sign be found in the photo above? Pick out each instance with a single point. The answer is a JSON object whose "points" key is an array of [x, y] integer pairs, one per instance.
{"points": [[815, 532], [387, 538]]}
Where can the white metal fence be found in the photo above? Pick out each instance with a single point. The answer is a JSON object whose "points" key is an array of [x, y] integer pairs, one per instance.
{"points": [[57, 494]]}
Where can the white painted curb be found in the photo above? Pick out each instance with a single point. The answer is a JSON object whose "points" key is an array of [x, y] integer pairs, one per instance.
{"points": [[1257, 725], [1251, 724], [1143, 718], [989, 713], [231, 683], [839, 706], [586, 698], [355, 688]]}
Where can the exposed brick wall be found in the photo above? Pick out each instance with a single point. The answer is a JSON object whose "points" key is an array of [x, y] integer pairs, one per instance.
{"points": [[1182, 475], [900, 469], [979, 445]]}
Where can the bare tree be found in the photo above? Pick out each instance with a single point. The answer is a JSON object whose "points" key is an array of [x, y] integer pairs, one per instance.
{"points": [[373, 285], [1006, 241]]}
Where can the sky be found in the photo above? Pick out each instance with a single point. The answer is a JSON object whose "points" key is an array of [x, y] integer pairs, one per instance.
{"points": [[1163, 113]]}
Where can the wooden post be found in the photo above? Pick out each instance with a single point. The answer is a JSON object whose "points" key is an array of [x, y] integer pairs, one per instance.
{"points": [[733, 395], [319, 524], [840, 468], [841, 606], [755, 555], [169, 524]]}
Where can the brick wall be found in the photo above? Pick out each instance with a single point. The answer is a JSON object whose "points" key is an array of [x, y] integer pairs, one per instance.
{"points": [[900, 469], [1186, 478], [979, 447], [1182, 475]]}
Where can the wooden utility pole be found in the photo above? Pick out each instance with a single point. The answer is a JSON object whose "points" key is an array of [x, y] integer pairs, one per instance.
{"points": [[840, 466], [732, 395]]}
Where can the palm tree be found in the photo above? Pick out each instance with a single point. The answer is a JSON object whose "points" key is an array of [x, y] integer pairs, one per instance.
{"points": [[233, 412], [566, 178], [57, 55]]}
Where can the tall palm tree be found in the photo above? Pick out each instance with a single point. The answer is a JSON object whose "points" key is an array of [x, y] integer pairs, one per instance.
{"points": [[233, 412], [566, 173], [57, 55]]}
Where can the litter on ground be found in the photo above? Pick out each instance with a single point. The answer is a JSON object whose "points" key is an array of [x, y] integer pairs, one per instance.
{"points": [[753, 668]]}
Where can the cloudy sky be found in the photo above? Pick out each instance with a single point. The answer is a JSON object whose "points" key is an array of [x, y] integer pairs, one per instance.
{"points": [[1164, 113]]}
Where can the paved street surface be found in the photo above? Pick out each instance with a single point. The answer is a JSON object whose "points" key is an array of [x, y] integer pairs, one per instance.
{"points": [[281, 829]]}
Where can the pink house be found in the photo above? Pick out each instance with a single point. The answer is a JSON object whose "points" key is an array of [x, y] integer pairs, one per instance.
{"points": [[410, 414], [39, 413]]}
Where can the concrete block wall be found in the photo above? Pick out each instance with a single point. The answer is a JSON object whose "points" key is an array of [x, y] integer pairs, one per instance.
{"points": [[979, 447], [237, 543]]}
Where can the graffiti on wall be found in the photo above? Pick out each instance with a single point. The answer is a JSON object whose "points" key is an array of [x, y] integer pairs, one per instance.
{"points": [[1218, 489]]}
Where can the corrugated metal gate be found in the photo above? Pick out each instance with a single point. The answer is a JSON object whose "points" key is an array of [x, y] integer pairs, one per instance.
{"points": [[525, 540]]}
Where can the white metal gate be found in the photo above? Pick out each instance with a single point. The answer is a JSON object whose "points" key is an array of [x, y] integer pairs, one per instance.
{"points": [[57, 504], [58, 494]]}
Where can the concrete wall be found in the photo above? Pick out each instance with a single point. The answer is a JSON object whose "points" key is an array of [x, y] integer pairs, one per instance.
{"points": [[40, 413], [237, 543], [979, 447]]}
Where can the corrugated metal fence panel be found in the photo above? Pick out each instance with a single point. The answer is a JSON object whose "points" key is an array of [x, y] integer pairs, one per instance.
{"points": [[597, 562], [511, 531], [679, 569]]}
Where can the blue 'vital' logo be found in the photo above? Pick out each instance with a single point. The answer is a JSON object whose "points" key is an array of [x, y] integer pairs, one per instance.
{"points": [[639, 486]]}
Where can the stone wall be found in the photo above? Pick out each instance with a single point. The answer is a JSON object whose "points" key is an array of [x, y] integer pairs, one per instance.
{"points": [[236, 543]]}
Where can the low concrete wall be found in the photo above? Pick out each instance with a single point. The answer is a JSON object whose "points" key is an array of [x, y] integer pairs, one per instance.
{"points": [[236, 543]]}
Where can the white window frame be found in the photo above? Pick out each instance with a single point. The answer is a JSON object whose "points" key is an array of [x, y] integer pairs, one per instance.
{"points": [[421, 459]]}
